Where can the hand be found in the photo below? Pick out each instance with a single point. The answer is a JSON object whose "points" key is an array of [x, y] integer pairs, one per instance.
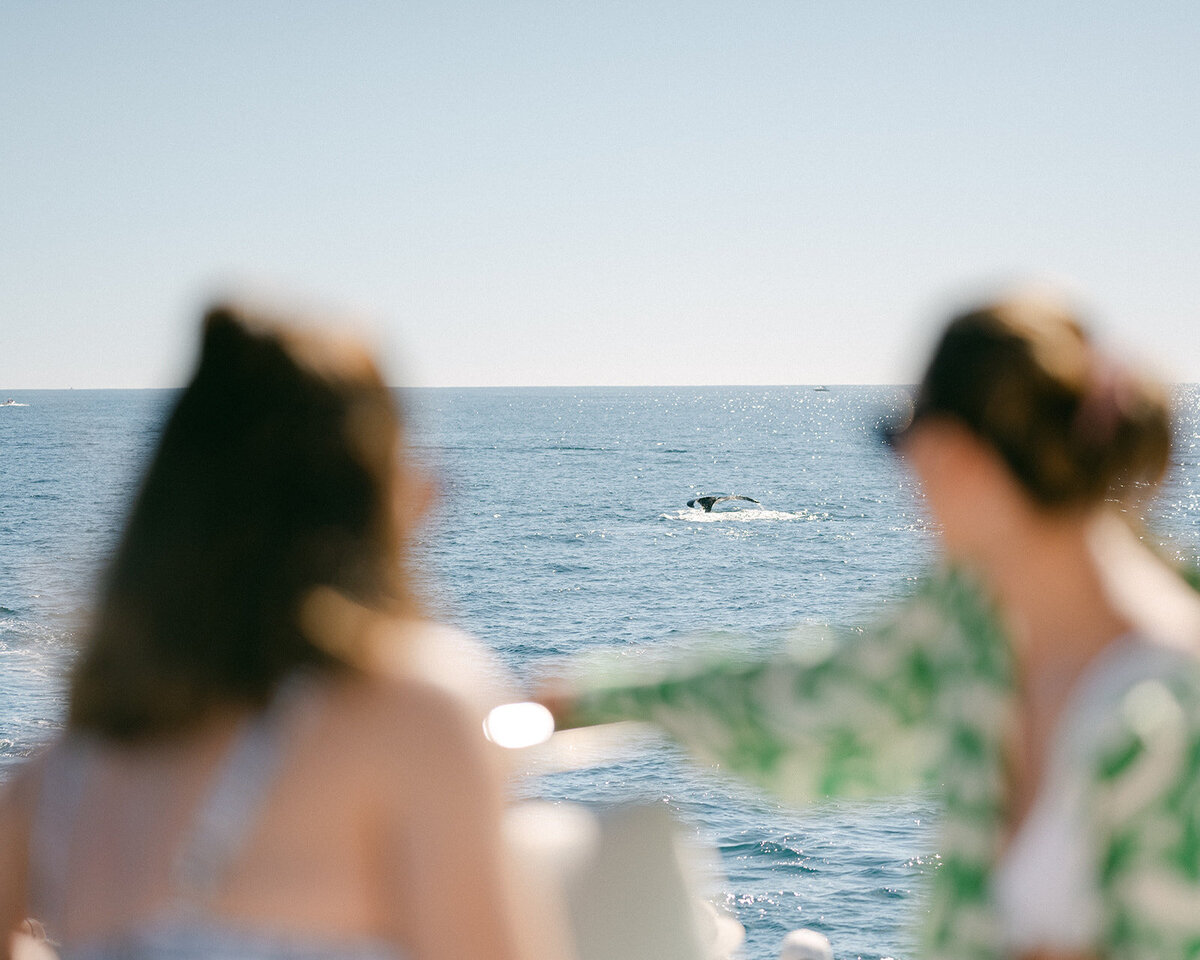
{"points": [[559, 697]]}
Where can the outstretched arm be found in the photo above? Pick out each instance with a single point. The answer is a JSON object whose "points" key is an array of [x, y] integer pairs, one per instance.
{"points": [[867, 716]]}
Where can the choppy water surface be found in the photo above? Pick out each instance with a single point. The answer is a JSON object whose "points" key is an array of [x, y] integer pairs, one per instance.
{"points": [[563, 528]]}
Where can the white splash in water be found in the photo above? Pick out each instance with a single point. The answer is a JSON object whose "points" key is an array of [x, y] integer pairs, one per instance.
{"points": [[694, 515]]}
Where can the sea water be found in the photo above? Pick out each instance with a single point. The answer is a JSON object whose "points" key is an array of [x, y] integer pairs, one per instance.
{"points": [[563, 528]]}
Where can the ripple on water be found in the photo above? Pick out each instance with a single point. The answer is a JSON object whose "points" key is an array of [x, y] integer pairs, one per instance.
{"points": [[562, 529]]}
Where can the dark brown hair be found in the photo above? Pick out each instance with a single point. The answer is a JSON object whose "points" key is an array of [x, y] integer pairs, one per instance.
{"points": [[274, 475], [1074, 425]]}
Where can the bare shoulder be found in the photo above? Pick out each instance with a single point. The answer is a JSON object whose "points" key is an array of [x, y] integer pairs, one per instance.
{"points": [[410, 722], [445, 657], [399, 721], [1149, 593]]}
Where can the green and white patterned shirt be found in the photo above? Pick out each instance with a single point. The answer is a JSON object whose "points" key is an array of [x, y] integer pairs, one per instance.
{"points": [[926, 699]]}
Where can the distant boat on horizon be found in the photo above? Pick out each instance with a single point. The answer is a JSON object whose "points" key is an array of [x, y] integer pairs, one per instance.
{"points": [[821, 389]]}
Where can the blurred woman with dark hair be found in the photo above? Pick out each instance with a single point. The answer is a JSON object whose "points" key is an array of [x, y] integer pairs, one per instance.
{"points": [[1045, 683], [244, 772]]}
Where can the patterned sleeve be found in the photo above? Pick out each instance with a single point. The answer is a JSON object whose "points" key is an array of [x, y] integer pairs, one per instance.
{"points": [[1146, 819], [869, 716]]}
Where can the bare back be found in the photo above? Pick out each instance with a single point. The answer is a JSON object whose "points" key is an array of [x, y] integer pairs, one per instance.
{"points": [[379, 823]]}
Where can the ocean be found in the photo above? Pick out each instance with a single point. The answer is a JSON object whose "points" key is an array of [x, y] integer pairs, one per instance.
{"points": [[563, 528]]}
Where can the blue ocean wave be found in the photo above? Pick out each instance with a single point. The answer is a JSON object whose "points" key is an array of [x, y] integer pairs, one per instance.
{"points": [[562, 528]]}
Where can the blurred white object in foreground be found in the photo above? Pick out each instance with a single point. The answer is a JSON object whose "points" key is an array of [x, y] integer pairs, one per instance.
{"points": [[518, 725], [527, 731], [806, 945], [626, 884]]}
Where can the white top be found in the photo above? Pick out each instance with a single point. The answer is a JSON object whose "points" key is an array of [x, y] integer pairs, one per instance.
{"points": [[1045, 884]]}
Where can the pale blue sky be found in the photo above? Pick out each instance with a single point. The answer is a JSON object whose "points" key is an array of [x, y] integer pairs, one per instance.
{"points": [[590, 193]]}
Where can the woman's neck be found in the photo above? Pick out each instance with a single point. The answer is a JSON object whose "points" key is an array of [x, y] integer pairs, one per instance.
{"points": [[1050, 586], [1060, 617]]}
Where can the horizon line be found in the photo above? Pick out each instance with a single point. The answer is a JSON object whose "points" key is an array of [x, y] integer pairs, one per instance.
{"points": [[12, 391]]}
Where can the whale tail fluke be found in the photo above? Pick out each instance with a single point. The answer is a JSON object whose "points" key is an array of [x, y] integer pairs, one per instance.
{"points": [[707, 503]]}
